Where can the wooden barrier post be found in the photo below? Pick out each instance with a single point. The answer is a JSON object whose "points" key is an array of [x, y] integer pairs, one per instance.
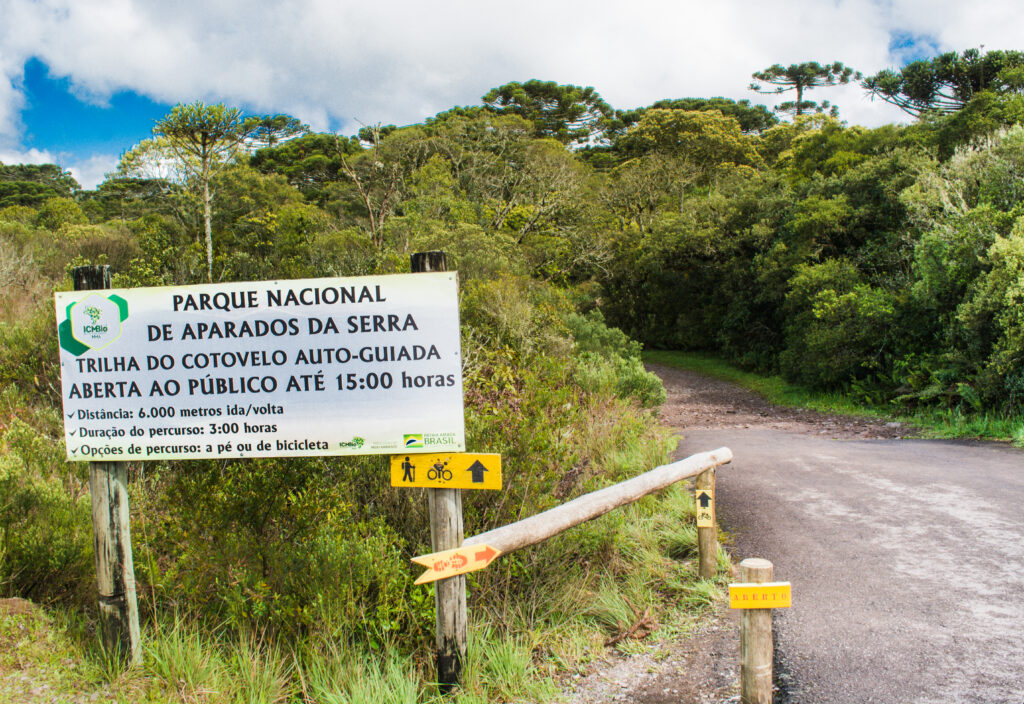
{"points": [[707, 536], [540, 527], [115, 572], [756, 649], [446, 533]]}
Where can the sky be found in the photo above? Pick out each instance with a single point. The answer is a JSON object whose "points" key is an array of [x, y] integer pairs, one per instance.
{"points": [[81, 81]]}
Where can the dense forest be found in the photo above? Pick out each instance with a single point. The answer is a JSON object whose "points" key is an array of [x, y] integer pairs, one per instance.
{"points": [[885, 263], [881, 260]]}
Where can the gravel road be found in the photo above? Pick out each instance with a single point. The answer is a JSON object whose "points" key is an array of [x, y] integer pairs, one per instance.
{"points": [[906, 556]]}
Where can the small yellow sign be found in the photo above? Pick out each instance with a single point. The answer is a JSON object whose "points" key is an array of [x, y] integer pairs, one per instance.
{"points": [[705, 501], [770, 595], [455, 470], [441, 565]]}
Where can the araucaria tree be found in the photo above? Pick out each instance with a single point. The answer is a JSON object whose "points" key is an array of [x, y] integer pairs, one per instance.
{"points": [[945, 83], [202, 138], [801, 78], [571, 114]]}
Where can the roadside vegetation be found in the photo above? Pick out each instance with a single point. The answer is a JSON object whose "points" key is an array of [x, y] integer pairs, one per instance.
{"points": [[879, 267]]}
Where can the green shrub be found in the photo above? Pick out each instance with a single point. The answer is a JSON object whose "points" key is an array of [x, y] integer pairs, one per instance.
{"points": [[56, 214], [290, 543], [608, 362], [991, 323], [592, 334], [45, 524], [28, 356], [837, 328], [21, 214], [624, 377]]}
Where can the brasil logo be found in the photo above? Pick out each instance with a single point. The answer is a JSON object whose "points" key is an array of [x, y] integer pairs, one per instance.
{"points": [[415, 440], [92, 323]]}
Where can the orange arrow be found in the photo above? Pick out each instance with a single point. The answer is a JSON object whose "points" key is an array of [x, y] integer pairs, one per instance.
{"points": [[487, 554], [448, 563]]}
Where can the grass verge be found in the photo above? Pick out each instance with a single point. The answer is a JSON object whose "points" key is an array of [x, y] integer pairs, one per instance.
{"points": [[932, 423], [592, 591]]}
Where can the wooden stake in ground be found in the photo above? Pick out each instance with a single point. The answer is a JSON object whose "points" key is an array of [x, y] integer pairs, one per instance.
{"points": [[707, 537], [446, 533], [756, 649], [112, 542]]}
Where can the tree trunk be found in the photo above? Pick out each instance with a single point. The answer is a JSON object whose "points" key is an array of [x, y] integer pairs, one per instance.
{"points": [[207, 224]]}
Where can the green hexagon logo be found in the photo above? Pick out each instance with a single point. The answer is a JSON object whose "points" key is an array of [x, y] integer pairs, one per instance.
{"points": [[94, 322]]}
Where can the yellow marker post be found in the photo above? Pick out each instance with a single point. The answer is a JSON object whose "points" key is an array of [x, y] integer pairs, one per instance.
{"points": [[705, 500], [455, 470], [441, 565], [769, 595]]}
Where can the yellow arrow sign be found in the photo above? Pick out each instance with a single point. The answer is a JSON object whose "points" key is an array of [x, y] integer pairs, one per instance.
{"points": [[705, 501], [456, 470], [770, 595], [449, 563]]}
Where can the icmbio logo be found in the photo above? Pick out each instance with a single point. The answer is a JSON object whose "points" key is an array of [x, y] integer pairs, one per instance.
{"points": [[92, 323]]}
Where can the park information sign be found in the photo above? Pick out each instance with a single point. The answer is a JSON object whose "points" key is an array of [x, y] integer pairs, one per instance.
{"points": [[344, 366]]}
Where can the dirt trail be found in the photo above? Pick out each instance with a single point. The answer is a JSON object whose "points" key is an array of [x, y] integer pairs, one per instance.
{"points": [[698, 402], [904, 554]]}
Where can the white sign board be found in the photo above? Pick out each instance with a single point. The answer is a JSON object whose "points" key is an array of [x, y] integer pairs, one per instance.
{"points": [[346, 366]]}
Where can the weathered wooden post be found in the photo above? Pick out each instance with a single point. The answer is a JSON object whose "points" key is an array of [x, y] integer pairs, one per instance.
{"points": [[707, 524], [446, 533], [540, 527], [112, 542], [756, 649]]}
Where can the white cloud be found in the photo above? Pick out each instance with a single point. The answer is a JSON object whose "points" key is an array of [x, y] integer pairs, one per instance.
{"points": [[91, 172], [333, 62], [25, 156]]}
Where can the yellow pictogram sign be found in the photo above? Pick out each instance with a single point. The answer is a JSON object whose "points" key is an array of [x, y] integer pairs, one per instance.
{"points": [[455, 470], [449, 563], [705, 500], [770, 595]]}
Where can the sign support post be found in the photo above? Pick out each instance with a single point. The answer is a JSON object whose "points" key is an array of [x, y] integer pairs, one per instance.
{"points": [[707, 531], [446, 533], [756, 649], [112, 543]]}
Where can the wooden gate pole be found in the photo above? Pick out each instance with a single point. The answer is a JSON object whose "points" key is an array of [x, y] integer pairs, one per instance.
{"points": [[446, 533], [112, 542], [707, 537], [756, 649]]}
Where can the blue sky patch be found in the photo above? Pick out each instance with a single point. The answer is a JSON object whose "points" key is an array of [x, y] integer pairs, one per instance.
{"points": [[57, 121], [906, 47]]}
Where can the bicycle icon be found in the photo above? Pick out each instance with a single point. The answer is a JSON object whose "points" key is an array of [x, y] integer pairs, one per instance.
{"points": [[437, 472]]}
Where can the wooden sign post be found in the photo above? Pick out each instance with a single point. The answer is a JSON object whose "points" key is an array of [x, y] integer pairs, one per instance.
{"points": [[446, 533], [757, 596], [112, 542], [707, 524]]}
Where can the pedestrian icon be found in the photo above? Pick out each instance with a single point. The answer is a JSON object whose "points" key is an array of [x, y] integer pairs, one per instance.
{"points": [[408, 471]]}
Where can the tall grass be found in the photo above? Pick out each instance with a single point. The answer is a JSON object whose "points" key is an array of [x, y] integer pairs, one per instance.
{"points": [[584, 588]]}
